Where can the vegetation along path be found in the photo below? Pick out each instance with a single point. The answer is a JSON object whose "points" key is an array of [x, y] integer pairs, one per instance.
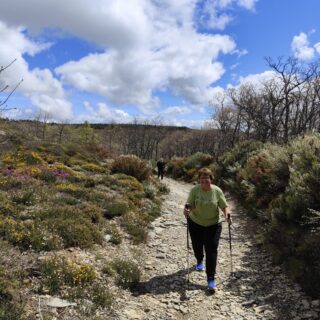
{"points": [[258, 289]]}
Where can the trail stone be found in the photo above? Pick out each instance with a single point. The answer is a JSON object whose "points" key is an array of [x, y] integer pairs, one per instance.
{"points": [[54, 302]]}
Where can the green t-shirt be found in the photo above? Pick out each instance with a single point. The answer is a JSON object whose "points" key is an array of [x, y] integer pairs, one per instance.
{"points": [[206, 205]]}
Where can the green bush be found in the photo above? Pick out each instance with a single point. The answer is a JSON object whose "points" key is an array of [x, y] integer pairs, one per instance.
{"points": [[29, 235], [101, 296], [132, 166], [59, 271], [91, 211], [149, 191], [128, 273], [92, 167], [163, 188], [25, 197], [264, 176], [116, 207], [197, 161], [76, 232], [135, 225], [113, 230], [175, 168]]}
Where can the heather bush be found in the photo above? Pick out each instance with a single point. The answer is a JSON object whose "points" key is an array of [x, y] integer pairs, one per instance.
{"points": [[303, 188], [25, 197], [10, 309], [78, 232], [135, 225], [29, 235], [187, 168], [116, 207], [175, 168], [114, 232], [197, 161], [91, 211], [101, 296], [132, 166], [59, 271], [264, 176], [149, 191], [127, 273], [163, 188], [92, 167], [71, 188]]}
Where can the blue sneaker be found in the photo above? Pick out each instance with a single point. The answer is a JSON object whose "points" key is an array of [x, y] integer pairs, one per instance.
{"points": [[200, 266], [211, 285]]}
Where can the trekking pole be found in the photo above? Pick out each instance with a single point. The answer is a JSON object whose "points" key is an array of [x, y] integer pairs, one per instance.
{"points": [[187, 206], [230, 246]]}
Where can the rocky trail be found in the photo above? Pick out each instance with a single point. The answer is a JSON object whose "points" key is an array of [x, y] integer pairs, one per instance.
{"points": [[258, 289]]}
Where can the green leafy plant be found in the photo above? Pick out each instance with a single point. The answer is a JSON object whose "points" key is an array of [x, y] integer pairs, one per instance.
{"points": [[127, 273]]}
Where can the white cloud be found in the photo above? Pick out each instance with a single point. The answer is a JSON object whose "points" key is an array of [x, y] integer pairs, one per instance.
{"points": [[317, 47], [247, 4], [215, 14], [176, 111], [301, 48], [40, 86], [102, 113], [147, 45], [182, 61]]}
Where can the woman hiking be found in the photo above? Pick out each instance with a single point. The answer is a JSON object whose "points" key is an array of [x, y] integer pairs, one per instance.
{"points": [[202, 212]]}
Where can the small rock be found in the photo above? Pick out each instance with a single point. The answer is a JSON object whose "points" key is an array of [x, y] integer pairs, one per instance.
{"points": [[59, 303], [248, 303]]}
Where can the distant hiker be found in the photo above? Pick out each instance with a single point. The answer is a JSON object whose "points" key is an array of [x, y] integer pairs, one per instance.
{"points": [[161, 165], [202, 212]]}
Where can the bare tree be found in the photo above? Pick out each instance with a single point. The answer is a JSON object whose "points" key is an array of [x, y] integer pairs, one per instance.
{"points": [[6, 88]]}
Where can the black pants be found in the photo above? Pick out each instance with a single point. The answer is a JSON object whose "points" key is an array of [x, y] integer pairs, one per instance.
{"points": [[160, 173], [207, 238]]}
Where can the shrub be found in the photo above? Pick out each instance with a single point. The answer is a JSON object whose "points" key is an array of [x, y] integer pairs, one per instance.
{"points": [[59, 271], [116, 207], [132, 166], [128, 183], [108, 270], [101, 296], [149, 191], [9, 183], [71, 188], [48, 177], [163, 188], [76, 232], [198, 161], [175, 168], [33, 158], [112, 230], [91, 211], [93, 168], [135, 226], [25, 197], [264, 175], [128, 273], [9, 309], [28, 234]]}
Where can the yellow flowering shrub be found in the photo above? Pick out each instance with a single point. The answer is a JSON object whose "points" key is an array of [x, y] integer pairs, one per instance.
{"points": [[71, 188], [92, 167]]}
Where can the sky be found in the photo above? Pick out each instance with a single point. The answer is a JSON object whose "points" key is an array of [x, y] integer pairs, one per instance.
{"points": [[115, 61]]}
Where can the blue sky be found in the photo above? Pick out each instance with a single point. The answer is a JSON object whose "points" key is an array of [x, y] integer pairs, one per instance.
{"points": [[116, 60]]}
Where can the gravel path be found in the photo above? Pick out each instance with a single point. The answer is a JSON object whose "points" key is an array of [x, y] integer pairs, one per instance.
{"points": [[258, 289]]}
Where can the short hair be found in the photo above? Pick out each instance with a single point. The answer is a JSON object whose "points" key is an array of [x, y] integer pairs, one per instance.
{"points": [[205, 172]]}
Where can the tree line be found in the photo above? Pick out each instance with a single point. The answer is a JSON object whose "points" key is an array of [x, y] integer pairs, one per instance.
{"points": [[277, 109]]}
